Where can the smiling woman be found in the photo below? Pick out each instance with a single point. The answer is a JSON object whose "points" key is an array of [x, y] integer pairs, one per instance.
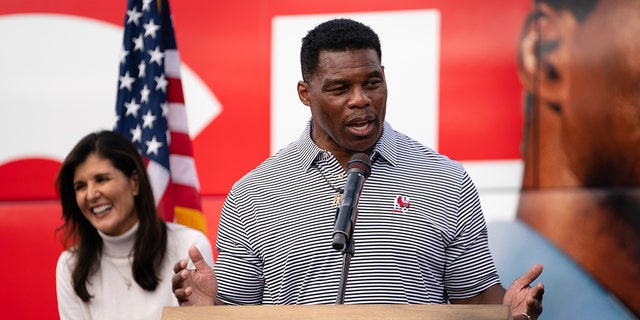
{"points": [[105, 195], [117, 244]]}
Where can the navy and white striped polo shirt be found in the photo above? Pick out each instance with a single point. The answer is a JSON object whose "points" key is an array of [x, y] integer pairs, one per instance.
{"points": [[420, 235]]}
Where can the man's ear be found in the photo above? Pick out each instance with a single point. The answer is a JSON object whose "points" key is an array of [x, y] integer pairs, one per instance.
{"points": [[542, 52], [303, 93]]}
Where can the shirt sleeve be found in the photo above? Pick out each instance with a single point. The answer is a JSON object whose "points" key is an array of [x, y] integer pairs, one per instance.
{"points": [[70, 306], [470, 268], [238, 268]]}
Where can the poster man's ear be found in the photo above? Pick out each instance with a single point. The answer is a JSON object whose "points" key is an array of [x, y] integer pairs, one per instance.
{"points": [[542, 52]]}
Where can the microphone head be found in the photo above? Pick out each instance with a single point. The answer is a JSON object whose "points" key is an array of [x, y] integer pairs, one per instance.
{"points": [[361, 162]]}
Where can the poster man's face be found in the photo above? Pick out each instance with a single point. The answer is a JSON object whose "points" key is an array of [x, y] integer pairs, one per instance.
{"points": [[600, 108]]}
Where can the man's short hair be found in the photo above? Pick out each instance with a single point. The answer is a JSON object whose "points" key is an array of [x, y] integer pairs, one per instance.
{"points": [[335, 35]]}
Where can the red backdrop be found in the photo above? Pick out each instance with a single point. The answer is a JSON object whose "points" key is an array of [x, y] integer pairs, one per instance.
{"points": [[227, 43]]}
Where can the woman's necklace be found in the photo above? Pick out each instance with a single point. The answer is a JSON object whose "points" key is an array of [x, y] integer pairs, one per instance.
{"points": [[127, 280], [337, 199]]}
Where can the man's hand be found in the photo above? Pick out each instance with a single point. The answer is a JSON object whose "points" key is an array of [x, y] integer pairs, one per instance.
{"points": [[526, 301], [194, 287]]}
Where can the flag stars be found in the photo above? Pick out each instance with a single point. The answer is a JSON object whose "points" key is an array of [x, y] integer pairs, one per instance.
{"points": [[150, 29], [123, 55], [138, 43], [126, 81], [136, 134], [134, 16], [165, 109], [148, 118], [142, 69], [144, 94], [156, 55], [161, 83], [132, 108], [146, 5], [153, 145], [115, 121]]}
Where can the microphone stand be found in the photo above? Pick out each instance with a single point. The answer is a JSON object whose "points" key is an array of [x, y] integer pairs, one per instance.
{"points": [[358, 169], [347, 253]]}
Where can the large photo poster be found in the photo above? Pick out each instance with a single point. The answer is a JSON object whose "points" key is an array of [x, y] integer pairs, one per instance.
{"points": [[578, 209], [538, 100]]}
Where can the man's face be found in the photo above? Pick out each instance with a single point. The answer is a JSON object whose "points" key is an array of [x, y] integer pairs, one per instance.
{"points": [[347, 97], [601, 108]]}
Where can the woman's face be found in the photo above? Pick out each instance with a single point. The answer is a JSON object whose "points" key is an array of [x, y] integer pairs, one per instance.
{"points": [[105, 195]]}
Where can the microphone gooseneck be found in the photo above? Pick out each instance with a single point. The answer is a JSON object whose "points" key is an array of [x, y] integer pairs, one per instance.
{"points": [[358, 170]]}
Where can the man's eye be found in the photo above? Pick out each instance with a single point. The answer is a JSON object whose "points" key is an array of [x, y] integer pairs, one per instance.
{"points": [[338, 89], [374, 83]]}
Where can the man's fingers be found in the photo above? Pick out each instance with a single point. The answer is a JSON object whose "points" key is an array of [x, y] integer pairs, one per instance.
{"points": [[197, 259], [531, 275], [534, 301], [179, 265], [539, 291], [177, 279], [535, 308], [182, 295]]}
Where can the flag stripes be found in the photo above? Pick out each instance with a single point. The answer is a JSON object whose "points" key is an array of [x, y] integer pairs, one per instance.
{"points": [[150, 110]]}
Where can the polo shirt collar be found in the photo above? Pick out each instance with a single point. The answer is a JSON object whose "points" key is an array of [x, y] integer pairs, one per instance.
{"points": [[385, 149]]}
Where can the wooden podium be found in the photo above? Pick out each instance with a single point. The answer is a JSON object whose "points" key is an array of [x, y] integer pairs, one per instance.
{"points": [[342, 312]]}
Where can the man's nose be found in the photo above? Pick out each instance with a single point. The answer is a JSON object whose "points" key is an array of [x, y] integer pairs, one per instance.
{"points": [[359, 97]]}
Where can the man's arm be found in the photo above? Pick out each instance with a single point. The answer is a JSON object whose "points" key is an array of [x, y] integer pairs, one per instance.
{"points": [[492, 295]]}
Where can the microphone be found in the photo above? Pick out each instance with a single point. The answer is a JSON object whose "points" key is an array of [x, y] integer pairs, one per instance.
{"points": [[358, 170]]}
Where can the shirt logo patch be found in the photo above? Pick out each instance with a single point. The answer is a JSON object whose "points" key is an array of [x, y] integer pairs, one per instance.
{"points": [[401, 204]]}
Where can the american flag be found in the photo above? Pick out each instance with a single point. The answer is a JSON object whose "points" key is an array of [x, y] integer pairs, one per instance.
{"points": [[150, 110]]}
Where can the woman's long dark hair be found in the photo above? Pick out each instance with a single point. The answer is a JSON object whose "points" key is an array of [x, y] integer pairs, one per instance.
{"points": [[151, 238]]}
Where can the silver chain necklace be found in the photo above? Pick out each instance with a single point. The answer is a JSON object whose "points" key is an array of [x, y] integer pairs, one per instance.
{"points": [[337, 199], [127, 280]]}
